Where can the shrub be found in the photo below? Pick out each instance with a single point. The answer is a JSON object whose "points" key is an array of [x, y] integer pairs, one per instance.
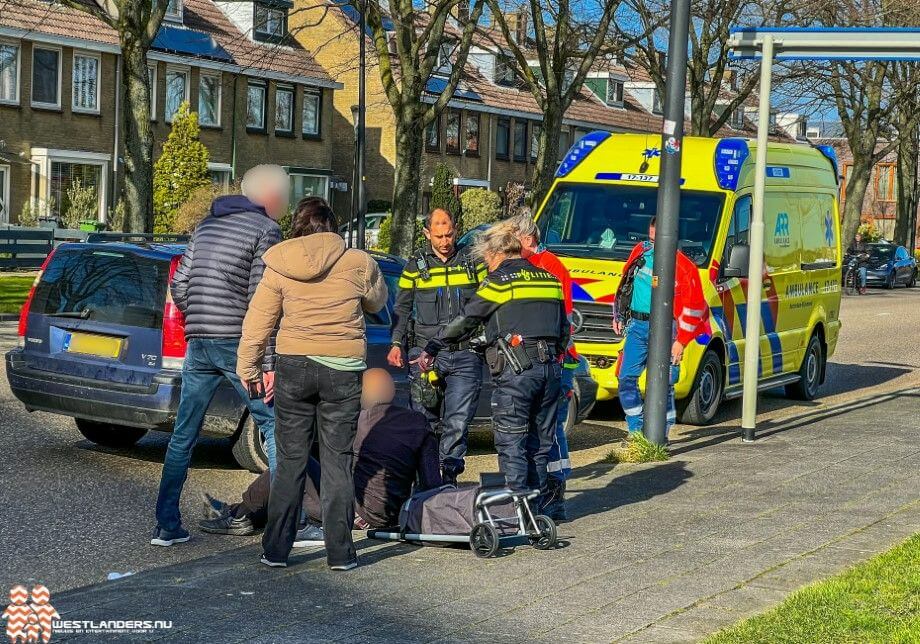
{"points": [[82, 204], [442, 190], [28, 216], [480, 206], [515, 198], [181, 169], [197, 206], [638, 449], [383, 237], [869, 232], [117, 218]]}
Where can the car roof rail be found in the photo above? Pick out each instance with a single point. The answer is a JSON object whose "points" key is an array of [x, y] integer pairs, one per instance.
{"points": [[137, 238]]}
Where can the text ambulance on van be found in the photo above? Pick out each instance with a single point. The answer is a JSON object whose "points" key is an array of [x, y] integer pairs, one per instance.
{"points": [[600, 205]]}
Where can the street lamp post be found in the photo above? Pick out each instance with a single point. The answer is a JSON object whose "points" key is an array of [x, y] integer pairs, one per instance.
{"points": [[658, 372], [360, 138]]}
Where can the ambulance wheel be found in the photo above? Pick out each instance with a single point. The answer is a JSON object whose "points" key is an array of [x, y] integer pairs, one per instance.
{"points": [[546, 538], [484, 540], [809, 373], [701, 407], [109, 434]]}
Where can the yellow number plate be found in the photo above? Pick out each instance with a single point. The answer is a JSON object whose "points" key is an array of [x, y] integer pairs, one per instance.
{"points": [[103, 346]]}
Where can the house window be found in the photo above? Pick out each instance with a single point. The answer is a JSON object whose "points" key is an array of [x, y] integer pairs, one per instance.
{"points": [[270, 23], [445, 52], [255, 107], [472, 134], [504, 70], [308, 185], [312, 110], [773, 122], [615, 93], [656, 101], [46, 77], [801, 128], [85, 83], [9, 73], [209, 99], [502, 138], [452, 133], [885, 182], [63, 176], [4, 193], [284, 110], [220, 174], [535, 130], [737, 119], [520, 140], [152, 83], [173, 10], [176, 91], [433, 135]]}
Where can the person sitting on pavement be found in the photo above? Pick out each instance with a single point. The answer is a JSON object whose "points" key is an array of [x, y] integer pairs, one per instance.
{"points": [[394, 449]]}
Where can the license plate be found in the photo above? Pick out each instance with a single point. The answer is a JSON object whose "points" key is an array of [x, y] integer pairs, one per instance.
{"points": [[104, 346]]}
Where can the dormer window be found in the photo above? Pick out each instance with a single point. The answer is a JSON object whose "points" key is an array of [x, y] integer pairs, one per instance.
{"points": [[614, 93], [504, 70], [656, 102], [445, 54], [269, 22], [737, 119], [173, 11]]}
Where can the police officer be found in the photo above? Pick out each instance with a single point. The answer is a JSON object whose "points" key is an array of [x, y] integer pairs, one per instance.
{"points": [[526, 330], [436, 283]]}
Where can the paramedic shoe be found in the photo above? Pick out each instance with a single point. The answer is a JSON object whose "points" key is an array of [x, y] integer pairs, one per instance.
{"points": [[164, 537], [553, 501], [228, 524], [212, 508], [310, 535]]}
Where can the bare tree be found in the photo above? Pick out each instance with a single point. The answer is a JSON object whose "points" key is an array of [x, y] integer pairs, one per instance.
{"points": [[136, 22], [553, 60], [410, 47], [906, 83]]}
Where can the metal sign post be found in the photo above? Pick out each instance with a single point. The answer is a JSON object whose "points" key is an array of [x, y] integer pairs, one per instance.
{"points": [[361, 137], [658, 369]]}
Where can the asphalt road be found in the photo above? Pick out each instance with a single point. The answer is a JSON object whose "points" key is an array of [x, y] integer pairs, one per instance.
{"points": [[74, 512]]}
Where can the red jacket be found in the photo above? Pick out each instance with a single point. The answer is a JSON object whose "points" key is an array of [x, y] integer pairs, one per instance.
{"points": [[552, 264], [690, 308]]}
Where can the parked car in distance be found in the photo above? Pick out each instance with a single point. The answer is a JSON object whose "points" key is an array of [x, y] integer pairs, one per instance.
{"points": [[890, 266], [101, 340], [371, 228]]}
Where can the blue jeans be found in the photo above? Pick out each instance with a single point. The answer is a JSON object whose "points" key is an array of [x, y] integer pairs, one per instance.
{"points": [[863, 273], [559, 467], [207, 363], [635, 355], [461, 372]]}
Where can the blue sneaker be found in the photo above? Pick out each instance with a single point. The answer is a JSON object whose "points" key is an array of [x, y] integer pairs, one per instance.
{"points": [[164, 537]]}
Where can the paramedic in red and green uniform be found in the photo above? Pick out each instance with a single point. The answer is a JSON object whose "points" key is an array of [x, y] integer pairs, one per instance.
{"points": [[631, 313], [559, 468]]}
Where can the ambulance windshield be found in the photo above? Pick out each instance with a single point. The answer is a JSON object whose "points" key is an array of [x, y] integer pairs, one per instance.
{"points": [[606, 221]]}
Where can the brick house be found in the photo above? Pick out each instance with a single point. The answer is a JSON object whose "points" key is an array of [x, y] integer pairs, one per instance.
{"points": [[260, 96]]}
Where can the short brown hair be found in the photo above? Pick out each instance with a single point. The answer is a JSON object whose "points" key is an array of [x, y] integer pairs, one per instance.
{"points": [[313, 215], [438, 211]]}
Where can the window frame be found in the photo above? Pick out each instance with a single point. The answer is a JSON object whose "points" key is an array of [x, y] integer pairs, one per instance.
{"points": [[522, 158], [290, 90], [257, 129], [459, 147], [60, 71], [535, 130], [152, 78], [436, 125], [79, 53], [223, 169], [17, 87], [175, 17], [176, 69], [265, 36], [499, 122], [218, 77], [616, 102], [506, 64], [890, 170], [657, 105], [303, 172], [469, 114], [746, 200], [318, 95]]}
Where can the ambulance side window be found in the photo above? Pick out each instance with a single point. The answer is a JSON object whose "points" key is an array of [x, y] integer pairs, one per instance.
{"points": [[739, 227]]}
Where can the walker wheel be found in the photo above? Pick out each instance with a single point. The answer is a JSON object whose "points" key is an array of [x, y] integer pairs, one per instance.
{"points": [[546, 537], [484, 540]]}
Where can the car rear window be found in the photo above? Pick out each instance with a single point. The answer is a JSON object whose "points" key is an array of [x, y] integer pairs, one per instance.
{"points": [[382, 318], [115, 287]]}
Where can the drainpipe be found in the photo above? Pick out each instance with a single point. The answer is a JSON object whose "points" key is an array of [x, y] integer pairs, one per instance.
{"points": [[233, 133], [113, 193], [489, 149]]}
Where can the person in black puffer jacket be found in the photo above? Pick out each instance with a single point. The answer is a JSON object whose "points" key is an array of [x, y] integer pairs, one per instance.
{"points": [[212, 286]]}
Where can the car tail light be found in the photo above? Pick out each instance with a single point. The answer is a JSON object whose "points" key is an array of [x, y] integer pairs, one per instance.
{"points": [[24, 312], [173, 353]]}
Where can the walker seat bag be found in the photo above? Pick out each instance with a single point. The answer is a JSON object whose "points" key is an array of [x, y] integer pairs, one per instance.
{"points": [[442, 510]]}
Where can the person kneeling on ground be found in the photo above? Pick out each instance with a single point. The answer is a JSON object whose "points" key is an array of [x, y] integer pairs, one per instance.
{"points": [[394, 448]]}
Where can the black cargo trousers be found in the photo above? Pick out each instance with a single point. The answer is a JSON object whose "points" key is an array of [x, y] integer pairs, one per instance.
{"points": [[524, 410]]}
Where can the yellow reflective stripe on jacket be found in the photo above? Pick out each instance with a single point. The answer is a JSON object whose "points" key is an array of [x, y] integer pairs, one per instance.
{"points": [[520, 290], [406, 282]]}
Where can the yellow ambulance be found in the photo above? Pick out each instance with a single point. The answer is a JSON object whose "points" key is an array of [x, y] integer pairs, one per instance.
{"points": [[599, 207]]}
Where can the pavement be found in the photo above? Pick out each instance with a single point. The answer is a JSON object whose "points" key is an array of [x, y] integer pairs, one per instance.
{"points": [[657, 553]]}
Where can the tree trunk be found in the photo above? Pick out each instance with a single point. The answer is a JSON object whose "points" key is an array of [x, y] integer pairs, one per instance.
{"points": [[857, 184], [138, 138], [544, 168], [406, 184], [906, 216]]}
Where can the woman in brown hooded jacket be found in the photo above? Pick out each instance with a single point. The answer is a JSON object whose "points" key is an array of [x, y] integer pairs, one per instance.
{"points": [[321, 291]]}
